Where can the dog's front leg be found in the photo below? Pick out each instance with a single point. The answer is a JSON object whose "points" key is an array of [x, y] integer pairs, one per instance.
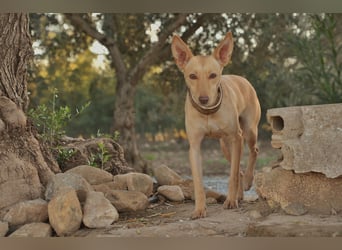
{"points": [[196, 169], [235, 142]]}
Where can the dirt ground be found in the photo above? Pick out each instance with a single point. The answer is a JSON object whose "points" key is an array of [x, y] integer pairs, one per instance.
{"points": [[253, 218]]}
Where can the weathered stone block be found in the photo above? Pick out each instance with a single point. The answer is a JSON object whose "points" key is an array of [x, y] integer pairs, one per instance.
{"points": [[310, 138], [297, 194]]}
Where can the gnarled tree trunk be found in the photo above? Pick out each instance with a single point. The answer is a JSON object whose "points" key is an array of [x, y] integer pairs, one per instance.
{"points": [[25, 165]]}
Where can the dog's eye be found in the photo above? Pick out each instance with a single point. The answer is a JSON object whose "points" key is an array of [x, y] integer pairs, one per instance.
{"points": [[193, 76], [212, 76]]}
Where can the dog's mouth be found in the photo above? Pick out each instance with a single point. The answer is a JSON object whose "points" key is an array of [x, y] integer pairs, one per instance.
{"points": [[208, 109]]}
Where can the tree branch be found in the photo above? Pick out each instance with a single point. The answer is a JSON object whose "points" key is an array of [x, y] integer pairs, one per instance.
{"points": [[165, 53], [85, 26], [153, 53]]}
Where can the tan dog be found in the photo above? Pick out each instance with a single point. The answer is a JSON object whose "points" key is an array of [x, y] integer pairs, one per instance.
{"points": [[220, 106]]}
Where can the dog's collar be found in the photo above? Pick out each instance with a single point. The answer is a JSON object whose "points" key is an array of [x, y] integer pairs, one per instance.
{"points": [[207, 110]]}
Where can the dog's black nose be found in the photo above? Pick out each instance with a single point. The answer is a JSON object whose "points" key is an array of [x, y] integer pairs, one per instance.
{"points": [[203, 99]]}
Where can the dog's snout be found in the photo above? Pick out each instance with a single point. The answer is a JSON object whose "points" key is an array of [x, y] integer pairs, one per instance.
{"points": [[203, 99]]}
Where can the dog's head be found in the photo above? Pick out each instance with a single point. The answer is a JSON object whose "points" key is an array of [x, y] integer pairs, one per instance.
{"points": [[202, 73]]}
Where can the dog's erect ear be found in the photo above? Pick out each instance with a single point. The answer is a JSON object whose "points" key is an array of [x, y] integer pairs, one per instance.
{"points": [[224, 50], [180, 51]]}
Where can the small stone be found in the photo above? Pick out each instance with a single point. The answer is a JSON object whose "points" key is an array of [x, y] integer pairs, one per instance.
{"points": [[217, 196], [62, 180], [295, 209], [187, 187], [166, 176], [38, 229], [65, 213], [255, 214], [3, 228], [98, 211], [172, 193], [211, 200], [92, 175], [134, 182], [27, 212], [124, 200]]}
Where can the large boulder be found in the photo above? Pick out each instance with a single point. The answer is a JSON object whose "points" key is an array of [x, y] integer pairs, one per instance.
{"points": [[98, 211], [62, 180], [125, 201], [297, 194], [310, 138], [37, 229], [27, 212], [171, 192], [65, 212], [166, 176], [92, 175], [135, 182]]}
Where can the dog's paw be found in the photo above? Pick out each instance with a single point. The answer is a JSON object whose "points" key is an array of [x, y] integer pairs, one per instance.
{"points": [[199, 213], [230, 204]]}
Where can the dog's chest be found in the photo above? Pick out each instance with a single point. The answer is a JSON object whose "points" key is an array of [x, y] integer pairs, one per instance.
{"points": [[217, 127]]}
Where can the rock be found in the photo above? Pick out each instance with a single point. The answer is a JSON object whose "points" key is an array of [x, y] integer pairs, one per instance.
{"points": [[62, 180], [19, 180], [210, 200], [3, 228], [33, 230], [187, 187], [127, 200], [65, 213], [310, 138], [92, 175], [108, 186], [254, 214], [172, 193], [166, 176], [217, 196], [313, 191], [135, 182], [98, 211], [295, 209], [26, 212]]}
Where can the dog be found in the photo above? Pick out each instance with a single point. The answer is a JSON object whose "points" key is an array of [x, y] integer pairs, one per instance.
{"points": [[225, 107]]}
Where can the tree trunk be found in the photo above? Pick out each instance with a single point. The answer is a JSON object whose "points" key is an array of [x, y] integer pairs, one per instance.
{"points": [[25, 165], [124, 123]]}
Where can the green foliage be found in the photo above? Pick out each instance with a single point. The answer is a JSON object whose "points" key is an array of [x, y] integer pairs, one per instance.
{"points": [[63, 155], [319, 54], [100, 158], [51, 121]]}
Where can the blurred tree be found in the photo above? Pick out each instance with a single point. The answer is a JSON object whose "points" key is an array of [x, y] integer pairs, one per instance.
{"points": [[132, 53], [319, 54]]}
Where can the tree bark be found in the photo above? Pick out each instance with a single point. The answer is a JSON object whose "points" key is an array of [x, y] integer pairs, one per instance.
{"points": [[25, 165]]}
